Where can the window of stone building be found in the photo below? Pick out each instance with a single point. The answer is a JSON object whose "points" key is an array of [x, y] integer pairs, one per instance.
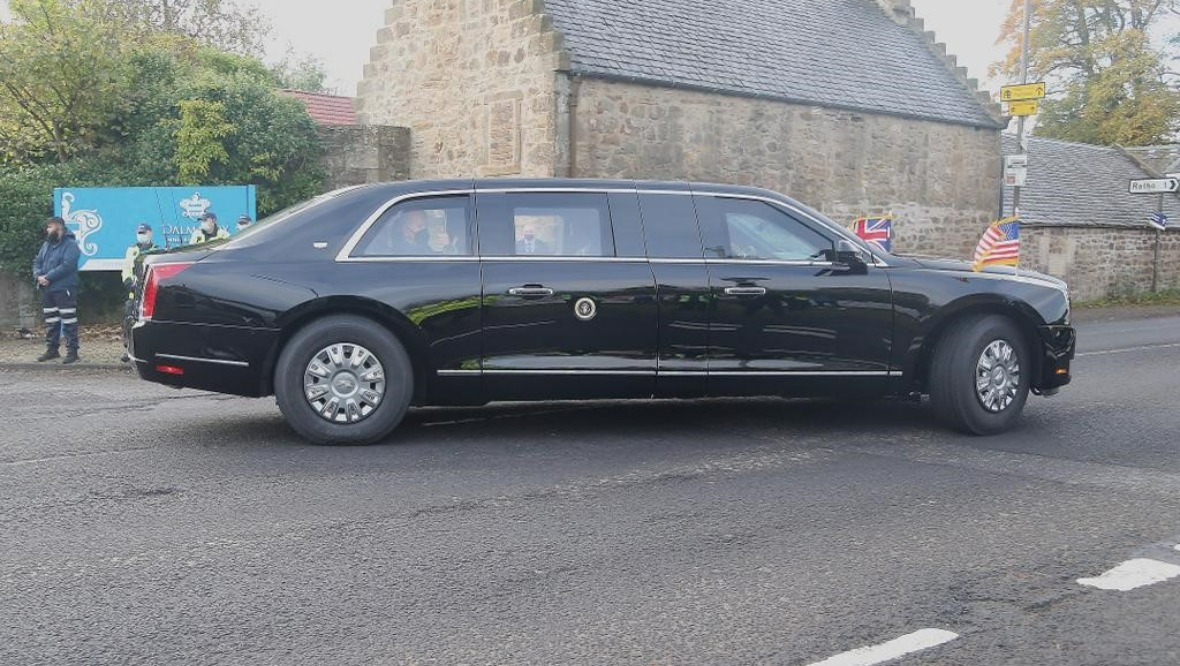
{"points": [[434, 226], [546, 225]]}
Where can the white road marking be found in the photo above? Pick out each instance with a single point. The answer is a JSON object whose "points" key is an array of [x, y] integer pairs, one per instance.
{"points": [[1132, 574], [899, 647], [1128, 350]]}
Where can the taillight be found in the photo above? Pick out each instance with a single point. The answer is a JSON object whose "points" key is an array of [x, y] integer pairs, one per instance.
{"points": [[151, 286]]}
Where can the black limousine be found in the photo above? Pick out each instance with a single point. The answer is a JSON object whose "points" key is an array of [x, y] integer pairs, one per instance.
{"points": [[353, 306]]}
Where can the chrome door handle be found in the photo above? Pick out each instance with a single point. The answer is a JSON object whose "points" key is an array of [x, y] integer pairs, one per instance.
{"points": [[745, 291], [530, 291]]}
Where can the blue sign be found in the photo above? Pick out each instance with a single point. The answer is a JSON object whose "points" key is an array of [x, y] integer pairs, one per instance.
{"points": [[1158, 220], [104, 218]]}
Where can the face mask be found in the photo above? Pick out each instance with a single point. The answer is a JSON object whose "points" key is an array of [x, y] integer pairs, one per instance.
{"points": [[208, 227], [143, 239], [243, 225], [422, 237]]}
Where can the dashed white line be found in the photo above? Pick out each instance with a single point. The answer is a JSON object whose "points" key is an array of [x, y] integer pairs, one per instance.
{"points": [[1132, 574], [922, 639], [1128, 350]]}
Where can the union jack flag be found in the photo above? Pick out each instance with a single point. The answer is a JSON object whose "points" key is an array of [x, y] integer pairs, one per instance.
{"points": [[1000, 245], [877, 232]]}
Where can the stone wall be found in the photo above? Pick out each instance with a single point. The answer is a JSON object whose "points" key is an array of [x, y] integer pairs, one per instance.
{"points": [[19, 304], [474, 81], [1100, 262], [941, 180], [359, 154]]}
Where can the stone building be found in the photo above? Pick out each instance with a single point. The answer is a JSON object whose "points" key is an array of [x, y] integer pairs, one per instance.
{"points": [[355, 154], [1082, 224], [848, 105]]}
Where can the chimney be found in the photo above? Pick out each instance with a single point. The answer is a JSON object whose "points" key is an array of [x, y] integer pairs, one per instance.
{"points": [[898, 10]]}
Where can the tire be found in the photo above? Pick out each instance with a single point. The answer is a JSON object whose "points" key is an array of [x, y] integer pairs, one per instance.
{"points": [[336, 344], [955, 368]]}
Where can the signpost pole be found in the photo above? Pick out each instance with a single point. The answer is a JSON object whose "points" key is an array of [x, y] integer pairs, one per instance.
{"points": [[1023, 80], [1155, 263]]}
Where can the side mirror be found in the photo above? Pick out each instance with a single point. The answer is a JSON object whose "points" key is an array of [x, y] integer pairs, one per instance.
{"points": [[850, 255]]}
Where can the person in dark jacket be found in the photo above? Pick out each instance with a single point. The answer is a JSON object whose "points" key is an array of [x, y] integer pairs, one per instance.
{"points": [[56, 271]]}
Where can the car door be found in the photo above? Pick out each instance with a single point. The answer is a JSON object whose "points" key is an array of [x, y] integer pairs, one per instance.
{"points": [[788, 318], [564, 315], [674, 248]]}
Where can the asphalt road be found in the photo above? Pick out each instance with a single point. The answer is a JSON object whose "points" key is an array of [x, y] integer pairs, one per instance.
{"points": [[141, 525]]}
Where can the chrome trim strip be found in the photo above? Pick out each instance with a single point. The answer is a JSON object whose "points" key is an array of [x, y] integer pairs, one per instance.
{"points": [[676, 373], [425, 258], [215, 361], [357, 235], [599, 260], [771, 262], [613, 373], [793, 373]]}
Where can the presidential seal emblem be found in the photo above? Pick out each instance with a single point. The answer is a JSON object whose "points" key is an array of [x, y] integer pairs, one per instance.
{"points": [[585, 309]]}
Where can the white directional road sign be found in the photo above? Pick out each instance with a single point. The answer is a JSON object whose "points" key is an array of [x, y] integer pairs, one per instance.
{"points": [[1155, 186]]}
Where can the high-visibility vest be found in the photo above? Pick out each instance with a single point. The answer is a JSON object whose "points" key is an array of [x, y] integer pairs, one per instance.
{"points": [[199, 235]]}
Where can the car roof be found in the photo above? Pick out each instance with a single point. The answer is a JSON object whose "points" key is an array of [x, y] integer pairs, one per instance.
{"points": [[451, 185]]}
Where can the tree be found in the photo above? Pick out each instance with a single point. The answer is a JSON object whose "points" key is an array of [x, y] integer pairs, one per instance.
{"points": [[60, 75], [222, 24], [64, 65], [295, 72], [163, 110], [1107, 79]]}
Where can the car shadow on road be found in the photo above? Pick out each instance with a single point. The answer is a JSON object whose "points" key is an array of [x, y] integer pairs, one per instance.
{"points": [[663, 418]]}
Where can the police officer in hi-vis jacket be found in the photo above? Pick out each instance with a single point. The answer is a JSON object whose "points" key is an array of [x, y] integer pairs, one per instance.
{"points": [[143, 244]]}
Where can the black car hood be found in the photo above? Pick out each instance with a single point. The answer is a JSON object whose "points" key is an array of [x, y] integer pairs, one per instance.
{"points": [[959, 265]]}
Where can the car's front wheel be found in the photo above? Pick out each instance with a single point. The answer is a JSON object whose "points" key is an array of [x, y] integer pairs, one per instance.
{"points": [[979, 375], [343, 380]]}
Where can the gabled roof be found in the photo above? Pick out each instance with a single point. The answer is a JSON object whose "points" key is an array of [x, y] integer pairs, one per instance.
{"points": [[835, 53], [1164, 159], [1077, 184], [326, 109]]}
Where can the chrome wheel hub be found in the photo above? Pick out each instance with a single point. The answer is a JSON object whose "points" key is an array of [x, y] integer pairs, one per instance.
{"points": [[344, 383], [997, 376]]}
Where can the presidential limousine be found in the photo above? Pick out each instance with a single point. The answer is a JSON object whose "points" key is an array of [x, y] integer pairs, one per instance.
{"points": [[353, 306]]}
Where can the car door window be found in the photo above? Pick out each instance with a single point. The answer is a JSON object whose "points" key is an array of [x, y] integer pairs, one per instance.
{"points": [[432, 226], [749, 229], [670, 226], [546, 224]]}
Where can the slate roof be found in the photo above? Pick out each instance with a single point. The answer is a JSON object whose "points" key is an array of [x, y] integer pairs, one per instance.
{"points": [[326, 109], [835, 53], [1076, 184], [1164, 159]]}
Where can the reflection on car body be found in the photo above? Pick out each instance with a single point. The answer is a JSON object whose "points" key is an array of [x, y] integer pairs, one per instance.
{"points": [[354, 306]]}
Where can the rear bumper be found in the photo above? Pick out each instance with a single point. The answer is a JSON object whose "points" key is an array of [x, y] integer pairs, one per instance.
{"points": [[1057, 349], [221, 359]]}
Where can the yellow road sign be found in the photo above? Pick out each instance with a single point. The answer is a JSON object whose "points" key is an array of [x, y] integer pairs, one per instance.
{"points": [[1022, 92], [1024, 108]]}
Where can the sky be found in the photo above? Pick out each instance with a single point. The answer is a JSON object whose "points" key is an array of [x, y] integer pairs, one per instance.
{"points": [[341, 38]]}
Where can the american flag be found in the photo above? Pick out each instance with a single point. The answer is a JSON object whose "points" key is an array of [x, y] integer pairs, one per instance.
{"points": [[877, 232], [1000, 245]]}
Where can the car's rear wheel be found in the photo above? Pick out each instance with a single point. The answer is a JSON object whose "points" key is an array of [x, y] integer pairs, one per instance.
{"points": [[344, 380], [979, 375]]}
